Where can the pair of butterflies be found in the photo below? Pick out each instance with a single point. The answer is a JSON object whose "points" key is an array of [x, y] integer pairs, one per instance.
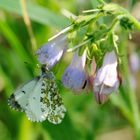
{"points": [[39, 99]]}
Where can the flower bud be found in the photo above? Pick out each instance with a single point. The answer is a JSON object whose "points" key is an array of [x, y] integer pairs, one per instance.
{"points": [[50, 53]]}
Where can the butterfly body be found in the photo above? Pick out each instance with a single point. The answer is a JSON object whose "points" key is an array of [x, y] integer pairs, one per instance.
{"points": [[39, 99]]}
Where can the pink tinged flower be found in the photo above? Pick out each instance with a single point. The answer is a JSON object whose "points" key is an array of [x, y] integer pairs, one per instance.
{"points": [[50, 53], [92, 72], [75, 77], [93, 67], [101, 98], [106, 80]]}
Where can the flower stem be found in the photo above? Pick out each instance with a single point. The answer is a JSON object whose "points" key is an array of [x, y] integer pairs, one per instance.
{"points": [[118, 10], [86, 19], [135, 21], [79, 45], [61, 32]]}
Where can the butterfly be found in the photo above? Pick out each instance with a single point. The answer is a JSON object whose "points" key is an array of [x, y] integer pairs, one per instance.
{"points": [[39, 99]]}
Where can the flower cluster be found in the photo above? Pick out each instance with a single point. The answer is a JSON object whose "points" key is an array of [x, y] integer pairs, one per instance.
{"points": [[97, 49], [103, 81]]}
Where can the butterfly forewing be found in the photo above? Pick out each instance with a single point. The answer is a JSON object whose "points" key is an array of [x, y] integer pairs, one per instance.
{"points": [[35, 111], [19, 99]]}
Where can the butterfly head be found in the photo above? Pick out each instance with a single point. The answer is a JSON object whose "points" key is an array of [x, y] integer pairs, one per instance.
{"points": [[47, 73]]}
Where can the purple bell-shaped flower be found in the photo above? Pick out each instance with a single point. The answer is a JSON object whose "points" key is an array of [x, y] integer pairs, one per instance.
{"points": [[50, 53], [75, 77]]}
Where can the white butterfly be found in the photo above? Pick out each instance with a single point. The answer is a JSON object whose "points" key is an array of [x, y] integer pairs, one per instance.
{"points": [[39, 99]]}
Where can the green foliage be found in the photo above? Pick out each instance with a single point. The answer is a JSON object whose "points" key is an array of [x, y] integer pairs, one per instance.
{"points": [[84, 119], [36, 13]]}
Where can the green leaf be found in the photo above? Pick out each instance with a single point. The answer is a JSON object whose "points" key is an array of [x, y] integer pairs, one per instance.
{"points": [[36, 13], [7, 81], [94, 3], [13, 40], [5, 135], [60, 132]]}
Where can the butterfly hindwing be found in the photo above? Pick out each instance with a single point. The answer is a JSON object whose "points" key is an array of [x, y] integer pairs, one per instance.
{"points": [[52, 101]]}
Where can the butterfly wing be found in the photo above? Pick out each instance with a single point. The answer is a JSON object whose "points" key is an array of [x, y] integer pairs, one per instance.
{"points": [[39, 99], [45, 102], [35, 110], [19, 99], [53, 100]]}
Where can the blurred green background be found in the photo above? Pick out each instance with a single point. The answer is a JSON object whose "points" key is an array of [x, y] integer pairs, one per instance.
{"points": [[85, 119]]}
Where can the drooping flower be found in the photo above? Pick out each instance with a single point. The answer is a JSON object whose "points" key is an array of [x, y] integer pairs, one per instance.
{"points": [[106, 80], [50, 53], [75, 77]]}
